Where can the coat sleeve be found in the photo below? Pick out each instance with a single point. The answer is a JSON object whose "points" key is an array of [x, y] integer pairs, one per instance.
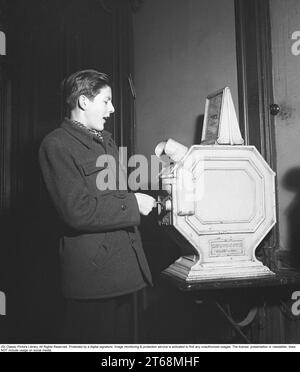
{"points": [[77, 207]]}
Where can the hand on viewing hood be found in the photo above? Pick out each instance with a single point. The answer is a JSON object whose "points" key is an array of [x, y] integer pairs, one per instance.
{"points": [[145, 202]]}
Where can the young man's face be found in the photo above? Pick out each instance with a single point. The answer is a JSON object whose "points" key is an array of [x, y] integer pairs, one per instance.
{"points": [[99, 109]]}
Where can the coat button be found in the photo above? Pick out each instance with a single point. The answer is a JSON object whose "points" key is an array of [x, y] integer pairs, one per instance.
{"points": [[124, 207]]}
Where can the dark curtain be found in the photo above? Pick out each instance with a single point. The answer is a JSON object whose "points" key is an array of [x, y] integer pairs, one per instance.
{"points": [[46, 41]]}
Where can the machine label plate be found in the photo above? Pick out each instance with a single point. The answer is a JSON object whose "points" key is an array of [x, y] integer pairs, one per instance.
{"points": [[227, 248]]}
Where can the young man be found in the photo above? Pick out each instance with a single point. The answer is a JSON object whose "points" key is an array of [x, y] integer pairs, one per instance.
{"points": [[102, 259]]}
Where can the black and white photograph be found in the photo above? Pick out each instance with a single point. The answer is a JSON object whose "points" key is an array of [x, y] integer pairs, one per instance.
{"points": [[150, 177]]}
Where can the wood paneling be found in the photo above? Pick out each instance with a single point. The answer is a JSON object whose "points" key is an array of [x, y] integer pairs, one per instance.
{"points": [[254, 49], [256, 90], [5, 119], [48, 40]]}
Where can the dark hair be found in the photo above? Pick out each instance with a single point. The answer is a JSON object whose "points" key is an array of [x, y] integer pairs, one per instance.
{"points": [[86, 82]]}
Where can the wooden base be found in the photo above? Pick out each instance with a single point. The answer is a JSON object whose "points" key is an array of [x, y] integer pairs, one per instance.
{"points": [[190, 271], [281, 278]]}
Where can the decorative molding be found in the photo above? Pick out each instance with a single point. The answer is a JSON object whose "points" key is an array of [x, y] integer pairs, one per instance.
{"points": [[105, 7], [5, 118], [3, 13], [5, 141], [136, 4], [254, 59], [255, 75]]}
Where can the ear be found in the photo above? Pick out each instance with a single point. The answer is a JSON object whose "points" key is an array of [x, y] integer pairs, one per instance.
{"points": [[83, 102]]}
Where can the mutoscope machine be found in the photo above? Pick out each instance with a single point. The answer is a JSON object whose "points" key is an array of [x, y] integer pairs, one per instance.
{"points": [[218, 200]]}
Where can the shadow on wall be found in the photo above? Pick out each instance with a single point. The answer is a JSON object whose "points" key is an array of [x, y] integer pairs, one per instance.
{"points": [[198, 129], [291, 182]]}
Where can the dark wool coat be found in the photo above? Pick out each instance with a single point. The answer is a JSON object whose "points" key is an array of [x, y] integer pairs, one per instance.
{"points": [[101, 251]]}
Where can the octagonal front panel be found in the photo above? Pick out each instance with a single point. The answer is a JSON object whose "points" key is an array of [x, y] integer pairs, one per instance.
{"points": [[230, 200], [234, 201]]}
